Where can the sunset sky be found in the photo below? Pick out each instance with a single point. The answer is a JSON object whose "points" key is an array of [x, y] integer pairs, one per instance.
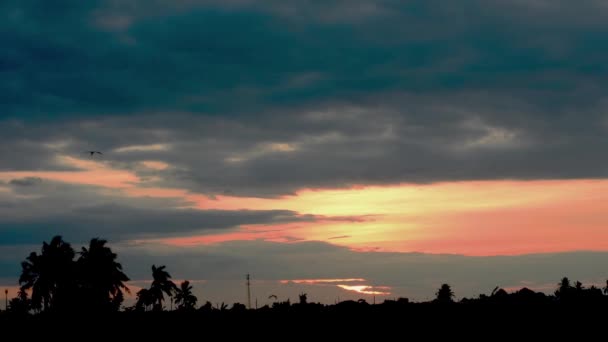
{"points": [[346, 149]]}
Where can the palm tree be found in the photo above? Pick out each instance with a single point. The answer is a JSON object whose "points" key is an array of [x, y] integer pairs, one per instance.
{"points": [[161, 283], [184, 298], [101, 276], [445, 294], [50, 275], [144, 300]]}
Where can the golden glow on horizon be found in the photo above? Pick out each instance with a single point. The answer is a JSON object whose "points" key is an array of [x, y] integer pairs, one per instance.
{"points": [[321, 281], [472, 217], [359, 288], [366, 289]]}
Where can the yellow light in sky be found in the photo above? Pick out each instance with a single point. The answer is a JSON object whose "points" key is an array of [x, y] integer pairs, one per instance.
{"points": [[473, 217]]}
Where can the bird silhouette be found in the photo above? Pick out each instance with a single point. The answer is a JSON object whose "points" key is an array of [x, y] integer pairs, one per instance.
{"points": [[272, 296], [93, 152]]}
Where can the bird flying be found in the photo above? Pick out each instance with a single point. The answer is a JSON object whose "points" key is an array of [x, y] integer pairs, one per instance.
{"points": [[94, 152]]}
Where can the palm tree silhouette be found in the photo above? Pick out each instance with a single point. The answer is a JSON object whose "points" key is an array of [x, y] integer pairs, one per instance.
{"points": [[50, 275], [101, 276], [144, 300], [184, 298], [161, 283]]}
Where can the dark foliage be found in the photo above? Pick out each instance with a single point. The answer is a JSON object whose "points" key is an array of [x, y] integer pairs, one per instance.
{"points": [[93, 286]]}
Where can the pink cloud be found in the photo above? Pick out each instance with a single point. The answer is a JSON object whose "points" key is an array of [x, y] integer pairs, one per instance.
{"points": [[472, 218]]}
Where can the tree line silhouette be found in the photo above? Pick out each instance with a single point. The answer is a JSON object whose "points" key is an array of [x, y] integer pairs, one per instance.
{"points": [[94, 282], [61, 280]]}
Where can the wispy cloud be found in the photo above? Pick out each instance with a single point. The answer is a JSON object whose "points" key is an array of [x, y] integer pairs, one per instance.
{"points": [[143, 148], [322, 281]]}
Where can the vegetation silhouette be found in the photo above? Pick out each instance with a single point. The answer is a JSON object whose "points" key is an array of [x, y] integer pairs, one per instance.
{"points": [[94, 282], [102, 280], [57, 281], [50, 275], [184, 298], [161, 283], [445, 294]]}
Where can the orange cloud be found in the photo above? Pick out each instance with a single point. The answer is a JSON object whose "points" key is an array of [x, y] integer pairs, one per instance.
{"points": [[473, 218], [91, 173], [143, 148], [154, 165]]}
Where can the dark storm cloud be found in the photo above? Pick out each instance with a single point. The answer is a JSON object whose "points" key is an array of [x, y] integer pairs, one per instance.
{"points": [[31, 214], [264, 98], [242, 56]]}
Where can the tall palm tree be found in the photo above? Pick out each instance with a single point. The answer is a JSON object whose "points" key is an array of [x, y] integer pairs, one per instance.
{"points": [[184, 298], [101, 276], [50, 275], [161, 283]]}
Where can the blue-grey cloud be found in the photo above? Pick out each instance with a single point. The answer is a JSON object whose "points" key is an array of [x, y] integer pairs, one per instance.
{"points": [[366, 92], [27, 181], [42, 209], [207, 56]]}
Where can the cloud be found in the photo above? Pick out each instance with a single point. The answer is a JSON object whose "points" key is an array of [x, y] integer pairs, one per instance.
{"points": [[393, 92], [27, 181], [344, 146], [142, 148], [30, 214], [161, 58]]}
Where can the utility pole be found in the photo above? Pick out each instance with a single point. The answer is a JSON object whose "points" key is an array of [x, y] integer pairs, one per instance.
{"points": [[5, 299], [248, 293]]}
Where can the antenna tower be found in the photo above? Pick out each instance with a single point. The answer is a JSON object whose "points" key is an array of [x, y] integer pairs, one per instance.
{"points": [[248, 293]]}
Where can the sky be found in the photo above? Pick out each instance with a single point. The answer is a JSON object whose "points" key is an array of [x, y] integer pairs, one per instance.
{"points": [[343, 149]]}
